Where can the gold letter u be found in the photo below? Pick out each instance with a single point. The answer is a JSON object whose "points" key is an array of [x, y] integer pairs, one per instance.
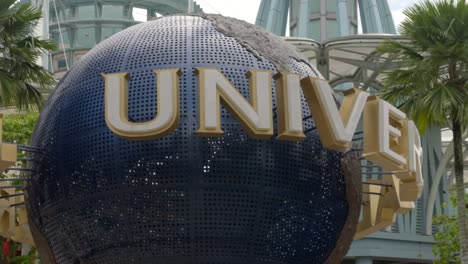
{"points": [[116, 106]]}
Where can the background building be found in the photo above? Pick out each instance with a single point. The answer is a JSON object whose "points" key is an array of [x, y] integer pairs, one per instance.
{"points": [[78, 25], [322, 20], [325, 31]]}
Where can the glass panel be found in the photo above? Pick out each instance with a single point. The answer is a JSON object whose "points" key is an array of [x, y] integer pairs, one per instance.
{"points": [[61, 64], [52, 16], [113, 11], [108, 31], [85, 37], [352, 30], [314, 6], [56, 37], [332, 5], [68, 13], [293, 31], [85, 11], [339, 89], [352, 8], [61, 14], [332, 29], [140, 14], [314, 30]]}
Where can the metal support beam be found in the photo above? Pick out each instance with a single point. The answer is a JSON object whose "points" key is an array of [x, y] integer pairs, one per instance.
{"points": [[441, 171], [364, 260]]}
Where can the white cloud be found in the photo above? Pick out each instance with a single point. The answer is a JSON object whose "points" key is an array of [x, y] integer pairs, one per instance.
{"points": [[398, 4], [398, 17]]}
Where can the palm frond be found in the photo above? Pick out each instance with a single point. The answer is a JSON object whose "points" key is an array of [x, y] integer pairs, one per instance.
{"points": [[431, 83], [20, 76]]}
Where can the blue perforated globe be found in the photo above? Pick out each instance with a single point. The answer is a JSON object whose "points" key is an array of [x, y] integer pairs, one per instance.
{"points": [[98, 198]]}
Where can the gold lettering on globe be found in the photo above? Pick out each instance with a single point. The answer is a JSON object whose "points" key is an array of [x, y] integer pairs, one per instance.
{"points": [[391, 141]]}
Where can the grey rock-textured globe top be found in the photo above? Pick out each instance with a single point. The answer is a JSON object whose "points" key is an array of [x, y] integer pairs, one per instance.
{"points": [[97, 198]]}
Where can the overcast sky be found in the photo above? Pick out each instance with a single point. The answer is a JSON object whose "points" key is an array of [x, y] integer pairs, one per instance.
{"points": [[247, 9]]}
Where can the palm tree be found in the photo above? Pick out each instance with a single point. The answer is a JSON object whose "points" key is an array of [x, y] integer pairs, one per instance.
{"points": [[20, 76], [431, 82]]}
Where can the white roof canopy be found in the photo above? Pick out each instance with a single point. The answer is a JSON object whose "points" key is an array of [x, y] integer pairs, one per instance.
{"points": [[351, 59]]}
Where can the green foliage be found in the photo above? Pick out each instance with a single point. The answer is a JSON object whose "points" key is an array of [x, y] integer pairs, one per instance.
{"points": [[20, 76], [21, 260], [447, 247], [431, 82], [26, 259], [18, 128]]}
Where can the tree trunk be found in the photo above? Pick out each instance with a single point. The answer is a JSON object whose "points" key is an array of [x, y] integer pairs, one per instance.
{"points": [[458, 164]]}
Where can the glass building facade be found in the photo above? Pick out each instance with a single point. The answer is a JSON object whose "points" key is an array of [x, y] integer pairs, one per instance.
{"points": [[322, 20], [323, 15], [78, 25]]}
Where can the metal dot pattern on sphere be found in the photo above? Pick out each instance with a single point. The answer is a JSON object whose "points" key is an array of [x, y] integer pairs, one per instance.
{"points": [[98, 198]]}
